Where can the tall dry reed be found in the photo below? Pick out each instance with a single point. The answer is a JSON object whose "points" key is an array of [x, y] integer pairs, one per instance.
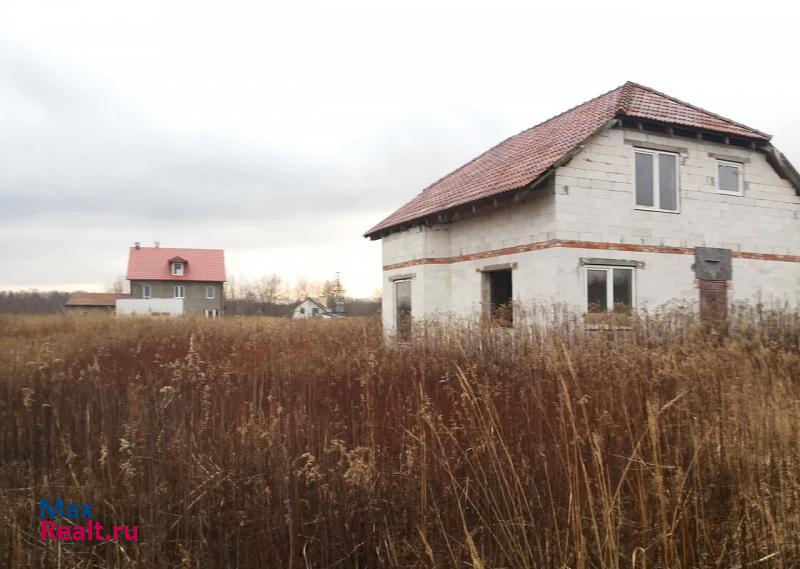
{"points": [[272, 443]]}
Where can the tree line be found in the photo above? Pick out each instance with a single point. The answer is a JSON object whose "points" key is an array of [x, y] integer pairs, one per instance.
{"points": [[32, 302], [267, 296], [272, 295]]}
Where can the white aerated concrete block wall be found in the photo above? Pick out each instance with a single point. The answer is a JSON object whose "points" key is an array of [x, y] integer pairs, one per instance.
{"points": [[595, 198], [591, 199], [455, 288], [770, 282]]}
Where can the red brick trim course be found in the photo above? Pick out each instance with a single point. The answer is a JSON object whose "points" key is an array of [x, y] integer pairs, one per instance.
{"points": [[597, 245]]}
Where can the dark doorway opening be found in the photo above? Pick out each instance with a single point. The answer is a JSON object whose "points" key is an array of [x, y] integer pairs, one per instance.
{"points": [[501, 295]]}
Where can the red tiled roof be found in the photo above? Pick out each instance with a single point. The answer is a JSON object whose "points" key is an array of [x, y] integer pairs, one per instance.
{"points": [[94, 299], [523, 158], [153, 263]]}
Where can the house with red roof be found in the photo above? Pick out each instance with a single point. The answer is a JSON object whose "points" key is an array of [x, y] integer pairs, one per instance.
{"points": [[631, 200], [174, 281]]}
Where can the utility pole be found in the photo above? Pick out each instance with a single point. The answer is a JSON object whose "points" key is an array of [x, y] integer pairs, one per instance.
{"points": [[338, 296]]}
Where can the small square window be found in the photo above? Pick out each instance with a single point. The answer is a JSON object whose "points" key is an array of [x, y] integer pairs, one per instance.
{"points": [[210, 292], [729, 177], [177, 269], [180, 291]]}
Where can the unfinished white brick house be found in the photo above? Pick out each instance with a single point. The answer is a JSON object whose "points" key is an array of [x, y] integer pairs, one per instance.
{"points": [[631, 200]]}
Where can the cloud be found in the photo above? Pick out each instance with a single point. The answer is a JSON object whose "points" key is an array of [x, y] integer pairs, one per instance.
{"points": [[282, 132], [73, 146]]}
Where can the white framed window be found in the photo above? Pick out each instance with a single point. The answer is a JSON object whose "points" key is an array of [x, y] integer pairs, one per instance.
{"points": [[177, 269], [610, 289], [180, 291], [210, 312], [147, 291], [656, 180], [729, 178], [210, 292]]}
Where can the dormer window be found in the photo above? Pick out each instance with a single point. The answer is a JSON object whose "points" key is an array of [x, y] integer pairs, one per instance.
{"points": [[177, 268]]}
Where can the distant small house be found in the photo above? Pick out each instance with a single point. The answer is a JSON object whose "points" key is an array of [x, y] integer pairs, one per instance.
{"points": [[92, 302], [168, 281], [312, 308]]}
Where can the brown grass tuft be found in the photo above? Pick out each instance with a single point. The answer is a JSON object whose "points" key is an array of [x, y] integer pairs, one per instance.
{"points": [[272, 443]]}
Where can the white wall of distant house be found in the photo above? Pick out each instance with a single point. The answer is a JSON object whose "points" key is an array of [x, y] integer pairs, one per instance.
{"points": [[149, 306], [306, 310]]}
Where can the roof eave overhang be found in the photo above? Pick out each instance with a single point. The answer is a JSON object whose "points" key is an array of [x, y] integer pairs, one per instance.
{"points": [[783, 167], [756, 138], [517, 194], [455, 212], [758, 141]]}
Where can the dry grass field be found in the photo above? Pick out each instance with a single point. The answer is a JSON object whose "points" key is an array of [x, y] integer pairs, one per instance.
{"points": [[272, 443]]}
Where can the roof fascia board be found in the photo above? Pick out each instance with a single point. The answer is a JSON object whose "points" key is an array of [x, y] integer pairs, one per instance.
{"points": [[783, 167]]}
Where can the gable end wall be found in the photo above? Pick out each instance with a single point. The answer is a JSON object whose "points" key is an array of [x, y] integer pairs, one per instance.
{"points": [[595, 198]]}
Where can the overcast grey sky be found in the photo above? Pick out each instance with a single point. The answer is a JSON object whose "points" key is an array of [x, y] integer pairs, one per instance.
{"points": [[282, 131]]}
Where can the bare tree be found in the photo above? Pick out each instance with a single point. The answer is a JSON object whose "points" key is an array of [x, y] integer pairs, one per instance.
{"points": [[119, 285], [302, 288], [268, 288], [231, 290]]}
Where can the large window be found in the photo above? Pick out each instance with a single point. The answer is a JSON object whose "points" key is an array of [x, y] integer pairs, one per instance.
{"points": [[402, 302], [609, 289], [656, 180], [729, 177], [180, 291]]}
